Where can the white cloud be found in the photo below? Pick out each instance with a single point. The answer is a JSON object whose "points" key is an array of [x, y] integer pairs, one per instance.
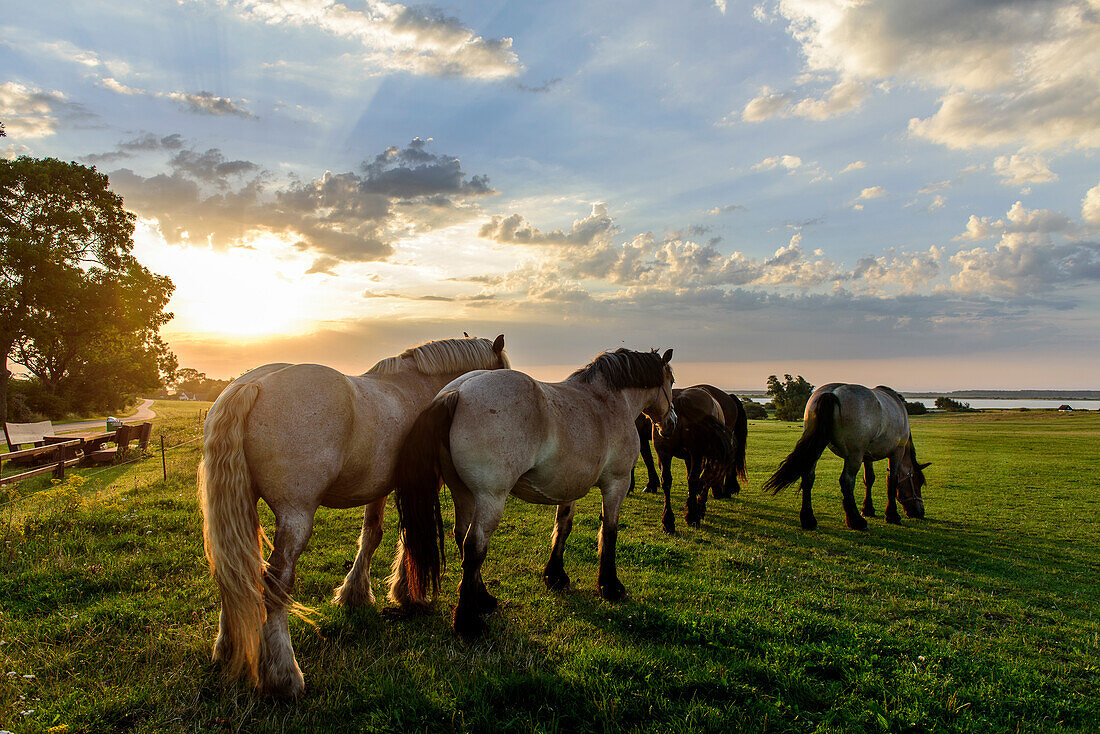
{"points": [[1024, 73], [854, 166], [116, 86], [842, 97], [790, 162], [872, 192], [1023, 170], [1090, 206], [28, 112], [394, 37]]}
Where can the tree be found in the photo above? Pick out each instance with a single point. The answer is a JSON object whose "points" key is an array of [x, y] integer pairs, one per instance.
{"points": [[76, 309], [915, 408], [789, 396], [754, 410], [189, 380], [952, 406]]}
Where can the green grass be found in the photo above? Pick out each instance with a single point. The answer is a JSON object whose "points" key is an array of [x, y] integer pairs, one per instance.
{"points": [[982, 618]]}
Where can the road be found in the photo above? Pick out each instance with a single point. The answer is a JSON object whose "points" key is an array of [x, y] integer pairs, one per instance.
{"points": [[144, 413]]}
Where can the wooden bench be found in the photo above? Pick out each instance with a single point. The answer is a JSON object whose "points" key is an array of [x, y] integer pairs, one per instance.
{"points": [[18, 434], [56, 453], [123, 436]]}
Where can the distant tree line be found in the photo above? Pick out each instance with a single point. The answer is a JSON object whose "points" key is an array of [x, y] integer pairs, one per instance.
{"points": [[789, 397], [916, 408], [78, 313], [948, 405], [195, 385]]}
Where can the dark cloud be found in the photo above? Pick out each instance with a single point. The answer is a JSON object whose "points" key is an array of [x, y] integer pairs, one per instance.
{"points": [[206, 103], [540, 89], [514, 229], [339, 217]]}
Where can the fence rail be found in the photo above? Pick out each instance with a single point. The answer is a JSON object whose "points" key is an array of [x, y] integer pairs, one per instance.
{"points": [[57, 467]]}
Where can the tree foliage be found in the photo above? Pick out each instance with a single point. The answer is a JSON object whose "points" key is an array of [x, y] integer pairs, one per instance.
{"points": [[952, 406], [915, 408], [77, 310], [754, 410], [789, 396]]}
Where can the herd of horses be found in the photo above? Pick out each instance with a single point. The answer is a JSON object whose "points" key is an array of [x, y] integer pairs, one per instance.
{"points": [[453, 411]]}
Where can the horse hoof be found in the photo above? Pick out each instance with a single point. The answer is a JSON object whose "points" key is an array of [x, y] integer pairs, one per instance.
{"points": [[286, 684], [893, 519], [557, 582], [868, 512], [613, 591], [403, 611], [857, 523], [669, 528], [486, 602], [353, 596], [652, 489], [468, 624], [810, 524]]}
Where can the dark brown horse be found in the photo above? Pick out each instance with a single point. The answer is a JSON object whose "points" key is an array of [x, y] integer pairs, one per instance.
{"points": [[708, 448], [734, 418], [861, 426]]}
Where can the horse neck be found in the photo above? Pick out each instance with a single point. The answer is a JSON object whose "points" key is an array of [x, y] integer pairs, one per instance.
{"points": [[638, 399]]}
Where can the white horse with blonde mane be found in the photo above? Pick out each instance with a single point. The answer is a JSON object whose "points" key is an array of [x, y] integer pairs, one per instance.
{"points": [[300, 437]]}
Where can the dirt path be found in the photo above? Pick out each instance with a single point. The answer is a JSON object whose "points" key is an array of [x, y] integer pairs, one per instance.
{"points": [[144, 413]]}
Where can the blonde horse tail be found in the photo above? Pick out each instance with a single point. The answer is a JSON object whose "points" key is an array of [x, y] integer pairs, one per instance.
{"points": [[417, 481], [231, 530]]}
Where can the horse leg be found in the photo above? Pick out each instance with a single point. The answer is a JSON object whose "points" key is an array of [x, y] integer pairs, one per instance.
{"points": [[464, 512], [697, 495], [847, 489], [279, 671], [356, 590], [652, 485], [554, 574], [610, 586], [484, 518], [806, 516], [892, 515], [868, 479], [668, 519]]}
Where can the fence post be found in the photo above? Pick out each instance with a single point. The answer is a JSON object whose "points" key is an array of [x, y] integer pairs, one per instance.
{"points": [[163, 461]]}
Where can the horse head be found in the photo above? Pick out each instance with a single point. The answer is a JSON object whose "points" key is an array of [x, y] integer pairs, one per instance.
{"points": [[909, 488], [662, 404]]}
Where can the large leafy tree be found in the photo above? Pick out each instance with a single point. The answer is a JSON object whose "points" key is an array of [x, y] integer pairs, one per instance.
{"points": [[789, 396], [76, 309]]}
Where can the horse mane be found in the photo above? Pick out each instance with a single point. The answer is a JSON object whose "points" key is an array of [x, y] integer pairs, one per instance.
{"points": [[443, 356], [624, 368]]}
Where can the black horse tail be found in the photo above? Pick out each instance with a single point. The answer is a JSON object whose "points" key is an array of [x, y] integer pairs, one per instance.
{"points": [[417, 480], [740, 433], [815, 437], [712, 443]]}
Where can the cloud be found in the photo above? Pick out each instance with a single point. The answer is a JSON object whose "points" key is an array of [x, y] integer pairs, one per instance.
{"points": [[514, 229], [728, 208], [393, 37], [1090, 206], [1020, 73], [853, 166], [842, 97], [1024, 263], [790, 162], [339, 217], [1023, 170], [29, 112], [871, 192], [206, 103]]}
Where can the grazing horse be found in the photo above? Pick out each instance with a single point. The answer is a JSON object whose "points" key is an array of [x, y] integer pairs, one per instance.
{"points": [[860, 426], [491, 434], [300, 437], [707, 447], [732, 413]]}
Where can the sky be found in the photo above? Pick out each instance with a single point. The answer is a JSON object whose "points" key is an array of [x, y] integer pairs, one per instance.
{"points": [[883, 191]]}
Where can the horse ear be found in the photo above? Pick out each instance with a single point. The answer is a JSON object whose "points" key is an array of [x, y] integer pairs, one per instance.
{"points": [[466, 334], [922, 467], [667, 356], [498, 344]]}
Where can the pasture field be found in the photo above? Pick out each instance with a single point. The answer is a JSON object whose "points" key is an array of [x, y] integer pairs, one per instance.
{"points": [[982, 618]]}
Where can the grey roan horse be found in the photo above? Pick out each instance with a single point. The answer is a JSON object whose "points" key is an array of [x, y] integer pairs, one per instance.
{"points": [[492, 434], [860, 426]]}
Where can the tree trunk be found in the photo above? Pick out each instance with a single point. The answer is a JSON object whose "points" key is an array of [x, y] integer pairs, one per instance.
{"points": [[5, 375]]}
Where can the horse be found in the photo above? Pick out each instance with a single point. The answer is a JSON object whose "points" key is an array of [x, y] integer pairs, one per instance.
{"points": [[492, 434], [300, 437], [707, 447], [861, 426], [732, 413]]}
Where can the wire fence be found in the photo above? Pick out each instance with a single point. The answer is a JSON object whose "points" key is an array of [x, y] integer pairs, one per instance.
{"points": [[170, 440]]}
